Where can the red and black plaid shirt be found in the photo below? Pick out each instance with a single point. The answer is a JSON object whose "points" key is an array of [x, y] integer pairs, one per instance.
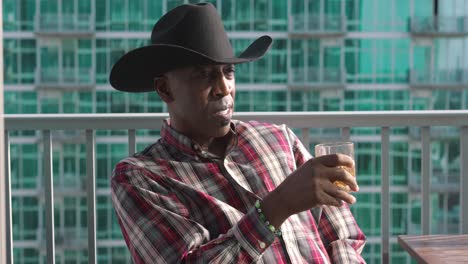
{"points": [[176, 203]]}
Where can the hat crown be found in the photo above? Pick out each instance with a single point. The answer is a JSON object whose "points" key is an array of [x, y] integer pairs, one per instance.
{"points": [[197, 27]]}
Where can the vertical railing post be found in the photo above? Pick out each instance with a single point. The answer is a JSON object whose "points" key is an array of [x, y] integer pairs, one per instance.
{"points": [[426, 175], [464, 180], [91, 193], [4, 213], [49, 196], [306, 138], [385, 201], [131, 142], [7, 197]]}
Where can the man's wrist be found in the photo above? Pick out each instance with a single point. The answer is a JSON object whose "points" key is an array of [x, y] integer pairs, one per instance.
{"points": [[274, 209]]}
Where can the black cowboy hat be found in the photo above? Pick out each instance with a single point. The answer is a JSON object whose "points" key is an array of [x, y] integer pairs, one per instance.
{"points": [[186, 35]]}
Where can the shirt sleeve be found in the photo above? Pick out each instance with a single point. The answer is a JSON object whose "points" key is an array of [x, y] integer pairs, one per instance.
{"points": [[157, 226], [338, 229]]}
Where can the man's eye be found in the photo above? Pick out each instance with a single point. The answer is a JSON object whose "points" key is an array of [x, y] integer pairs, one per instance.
{"points": [[230, 71]]}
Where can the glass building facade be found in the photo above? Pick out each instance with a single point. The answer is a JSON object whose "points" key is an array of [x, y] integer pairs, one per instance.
{"points": [[327, 55]]}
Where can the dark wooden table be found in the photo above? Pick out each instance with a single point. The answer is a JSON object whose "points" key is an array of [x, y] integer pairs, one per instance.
{"points": [[436, 248]]}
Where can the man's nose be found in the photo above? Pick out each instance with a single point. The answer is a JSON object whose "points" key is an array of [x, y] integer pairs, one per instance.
{"points": [[221, 86]]}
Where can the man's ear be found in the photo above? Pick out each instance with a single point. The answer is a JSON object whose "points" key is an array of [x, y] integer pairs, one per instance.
{"points": [[161, 86]]}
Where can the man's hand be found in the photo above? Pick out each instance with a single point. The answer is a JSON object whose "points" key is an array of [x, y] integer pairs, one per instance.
{"points": [[309, 186]]}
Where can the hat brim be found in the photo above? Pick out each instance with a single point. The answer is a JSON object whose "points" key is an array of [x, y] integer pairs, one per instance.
{"points": [[136, 70]]}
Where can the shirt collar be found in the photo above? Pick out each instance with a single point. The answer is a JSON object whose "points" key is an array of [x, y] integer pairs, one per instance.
{"points": [[190, 147]]}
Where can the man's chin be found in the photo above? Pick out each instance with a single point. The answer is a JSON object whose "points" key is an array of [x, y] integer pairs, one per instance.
{"points": [[223, 129]]}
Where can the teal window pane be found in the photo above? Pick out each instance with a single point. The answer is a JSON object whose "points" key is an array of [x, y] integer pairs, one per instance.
{"points": [[455, 100], [331, 104], [312, 101], [70, 213], [11, 54], [103, 217], [424, 8], [11, 102], [69, 101], [118, 47], [367, 15], [10, 15], [296, 101], [117, 102], [368, 163], [49, 6], [261, 16], [243, 70], [49, 105], [29, 164], [439, 100], [278, 62], [101, 15], [173, 3], [399, 213], [102, 57], [135, 15], [86, 102], [243, 11], [351, 59], [366, 61], [228, 15], [278, 101], [85, 70], [153, 13], [30, 217], [28, 60], [399, 155], [243, 99], [260, 101], [103, 164], [402, 15], [136, 103], [117, 15], [102, 101], [154, 103], [27, 12], [279, 15]]}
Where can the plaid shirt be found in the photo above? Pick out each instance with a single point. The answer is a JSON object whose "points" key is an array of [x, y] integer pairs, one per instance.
{"points": [[176, 203]]}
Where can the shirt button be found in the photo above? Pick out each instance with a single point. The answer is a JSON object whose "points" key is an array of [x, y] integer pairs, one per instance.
{"points": [[262, 245]]}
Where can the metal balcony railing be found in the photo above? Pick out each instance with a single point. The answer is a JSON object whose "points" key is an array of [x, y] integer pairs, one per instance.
{"points": [[65, 77], [439, 26], [321, 25], [439, 78], [305, 121], [68, 24]]}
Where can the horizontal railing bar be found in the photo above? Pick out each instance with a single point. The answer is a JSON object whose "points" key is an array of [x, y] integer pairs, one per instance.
{"points": [[292, 119]]}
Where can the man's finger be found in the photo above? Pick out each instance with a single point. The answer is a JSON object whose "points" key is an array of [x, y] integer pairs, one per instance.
{"points": [[327, 199], [341, 174], [340, 194]]}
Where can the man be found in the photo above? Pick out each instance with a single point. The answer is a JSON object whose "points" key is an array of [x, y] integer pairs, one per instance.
{"points": [[217, 190]]}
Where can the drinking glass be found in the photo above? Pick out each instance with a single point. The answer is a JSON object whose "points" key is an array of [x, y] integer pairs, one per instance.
{"points": [[346, 148]]}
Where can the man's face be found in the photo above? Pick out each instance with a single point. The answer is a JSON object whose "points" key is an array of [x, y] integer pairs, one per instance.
{"points": [[202, 100]]}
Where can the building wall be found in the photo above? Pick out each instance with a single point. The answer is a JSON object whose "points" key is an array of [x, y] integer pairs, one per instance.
{"points": [[327, 55]]}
